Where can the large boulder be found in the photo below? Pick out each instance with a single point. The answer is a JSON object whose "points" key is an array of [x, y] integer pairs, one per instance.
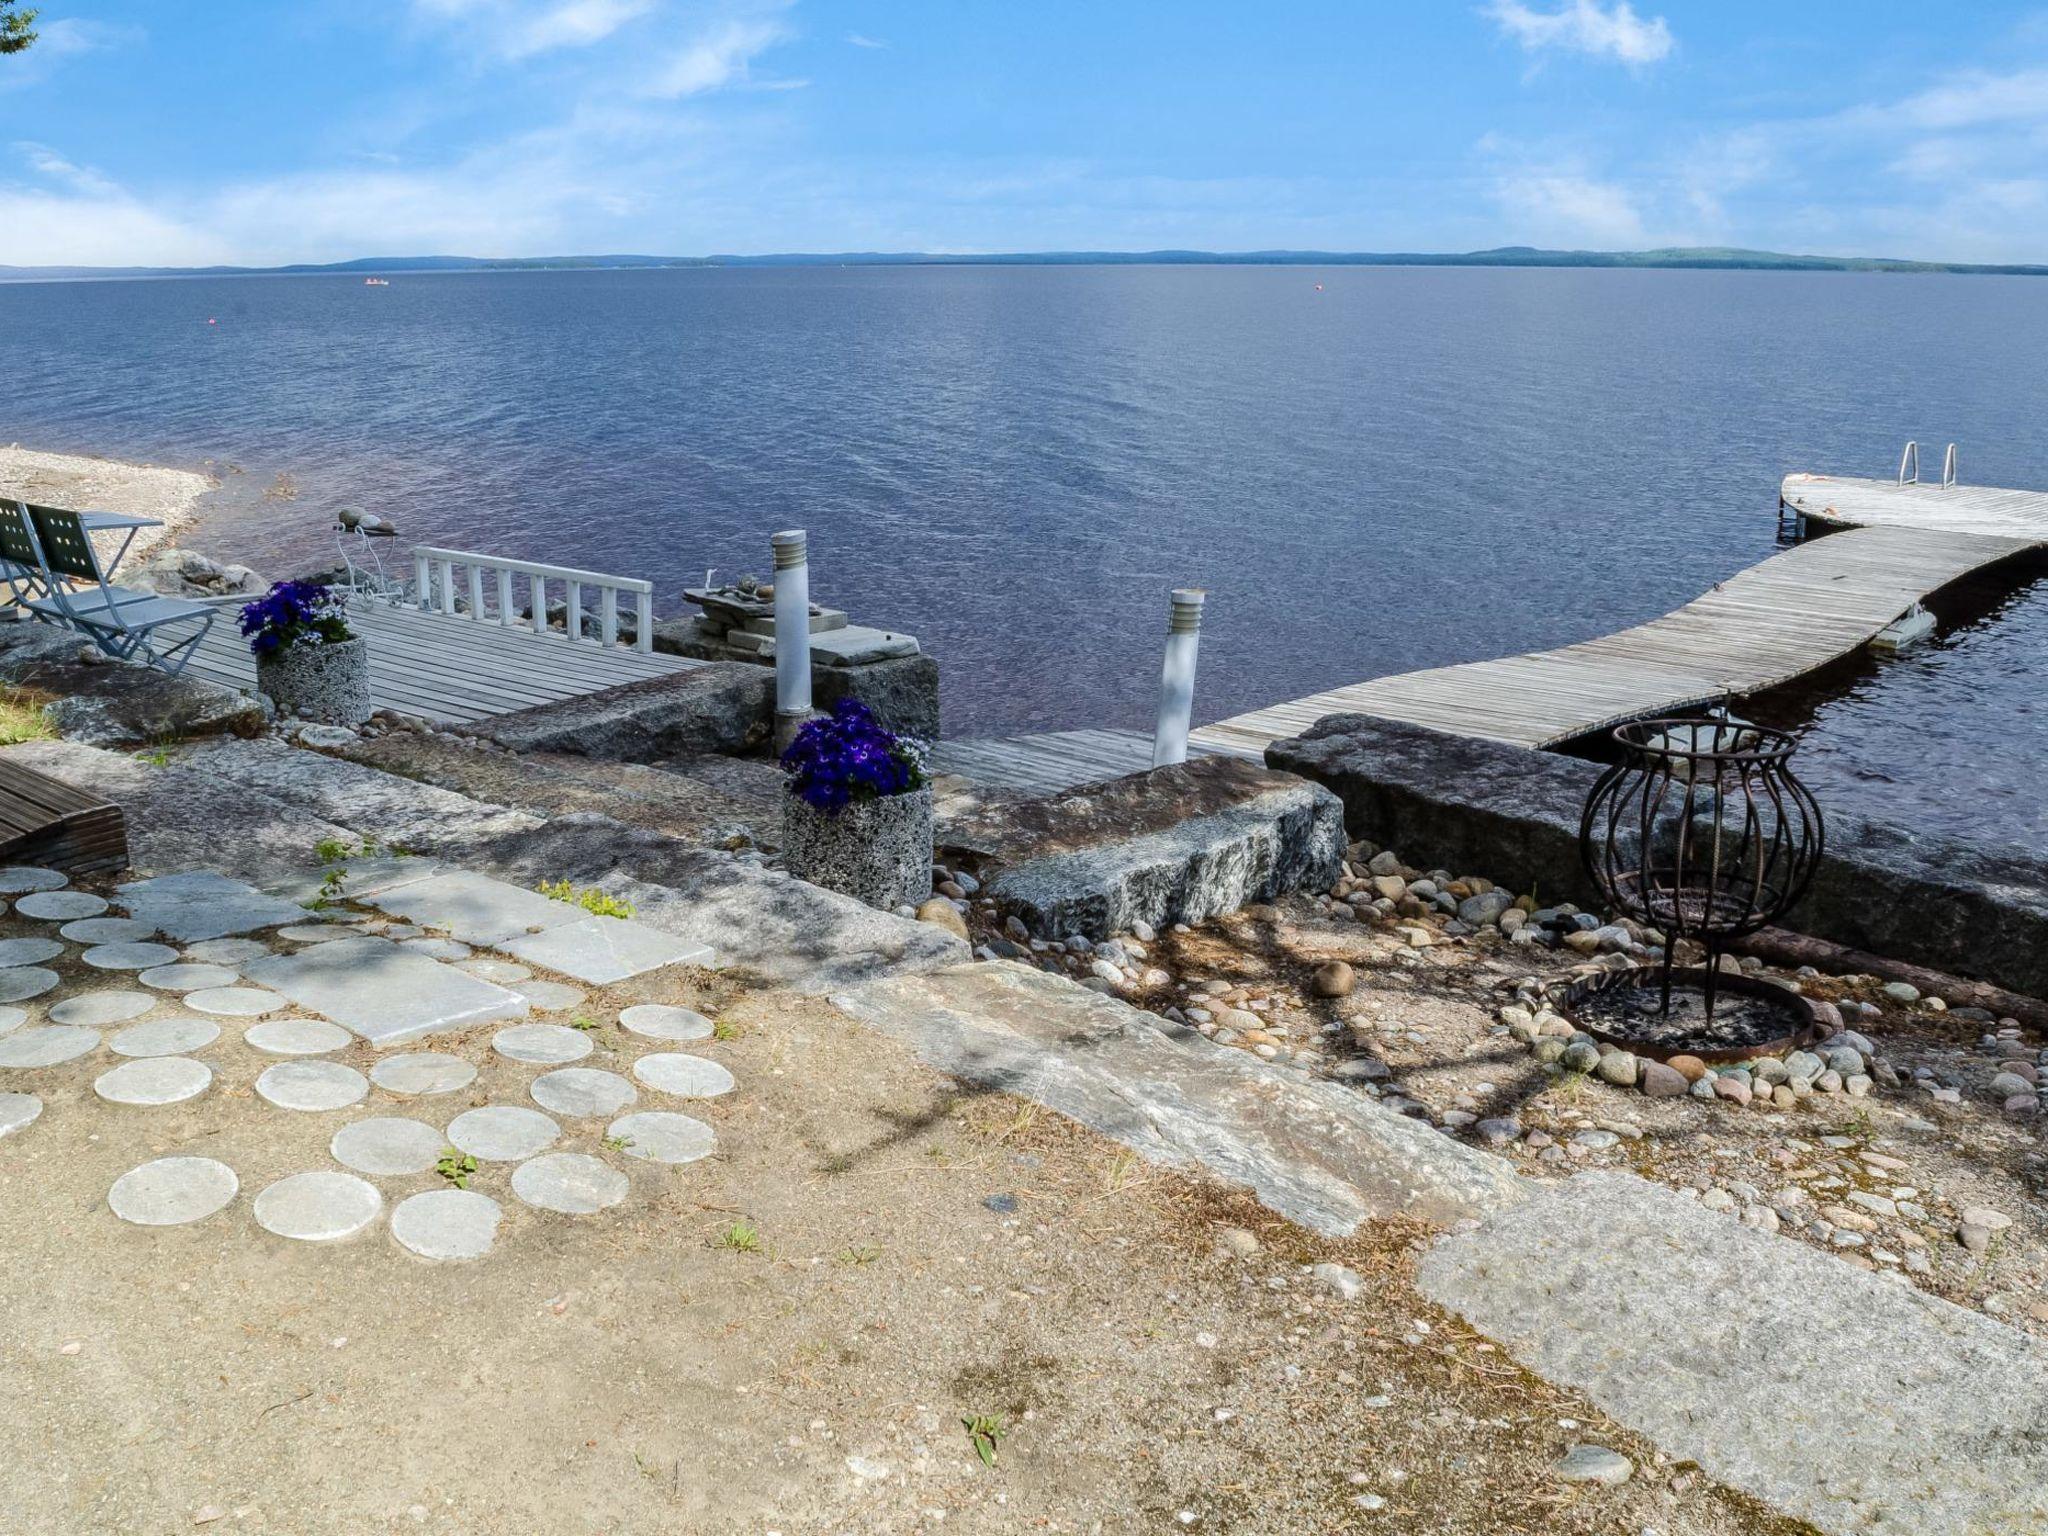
{"points": [[718, 707], [1164, 846], [95, 699], [187, 573]]}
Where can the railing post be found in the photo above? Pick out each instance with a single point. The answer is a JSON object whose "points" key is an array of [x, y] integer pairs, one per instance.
{"points": [[422, 582], [476, 592], [537, 600], [572, 621], [608, 617], [504, 594], [792, 632], [1177, 678], [643, 631], [1948, 467]]}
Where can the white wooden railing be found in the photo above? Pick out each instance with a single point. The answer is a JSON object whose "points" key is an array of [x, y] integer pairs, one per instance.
{"points": [[492, 602]]}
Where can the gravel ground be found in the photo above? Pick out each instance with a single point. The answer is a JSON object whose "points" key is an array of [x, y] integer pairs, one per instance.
{"points": [[107, 485]]}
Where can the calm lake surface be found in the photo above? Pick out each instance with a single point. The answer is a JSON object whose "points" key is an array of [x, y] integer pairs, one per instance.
{"points": [[1397, 469]]}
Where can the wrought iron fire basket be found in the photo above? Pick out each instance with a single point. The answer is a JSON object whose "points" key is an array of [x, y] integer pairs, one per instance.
{"points": [[1701, 830]]}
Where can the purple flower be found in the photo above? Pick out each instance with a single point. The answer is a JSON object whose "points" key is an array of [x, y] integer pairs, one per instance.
{"points": [[294, 613], [848, 757]]}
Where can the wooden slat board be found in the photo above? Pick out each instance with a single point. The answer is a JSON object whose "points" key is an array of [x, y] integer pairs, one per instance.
{"points": [[451, 669], [1047, 762], [1775, 621]]}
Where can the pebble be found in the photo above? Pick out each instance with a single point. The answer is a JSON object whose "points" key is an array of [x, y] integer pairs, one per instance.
{"points": [[1595, 1464], [1346, 1282], [1596, 1141], [1334, 979]]}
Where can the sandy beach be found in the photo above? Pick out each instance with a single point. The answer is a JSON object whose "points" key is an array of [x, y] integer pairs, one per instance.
{"points": [[107, 485]]}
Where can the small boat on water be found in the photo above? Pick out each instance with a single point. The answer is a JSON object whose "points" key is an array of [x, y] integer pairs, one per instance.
{"points": [[376, 282]]}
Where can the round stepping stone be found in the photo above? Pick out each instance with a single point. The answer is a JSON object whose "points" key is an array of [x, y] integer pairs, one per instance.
{"points": [[503, 972], [687, 1077], [22, 982], [579, 1092], [437, 949], [48, 1046], [164, 1037], [502, 1133], [61, 906], [550, 996], [312, 1085], [234, 1002], [18, 1111], [422, 1072], [11, 1018], [107, 930], [172, 1190], [547, 1044], [318, 1207], [236, 952], [98, 1009], [316, 933], [297, 1037], [139, 956], [388, 1147], [185, 977], [447, 1224], [154, 1081], [573, 1183], [661, 1137], [29, 951], [659, 1021], [17, 878]]}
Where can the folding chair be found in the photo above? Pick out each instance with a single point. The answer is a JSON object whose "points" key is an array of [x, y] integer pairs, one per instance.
{"points": [[119, 620]]}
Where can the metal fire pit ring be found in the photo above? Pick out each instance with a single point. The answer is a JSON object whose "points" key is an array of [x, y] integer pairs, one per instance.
{"points": [[1808, 1025]]}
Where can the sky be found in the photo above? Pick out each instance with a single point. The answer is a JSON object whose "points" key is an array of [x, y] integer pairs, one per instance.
{"points": [[253, 132]]}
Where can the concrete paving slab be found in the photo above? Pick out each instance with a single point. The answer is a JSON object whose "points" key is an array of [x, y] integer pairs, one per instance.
{"points": [[683, 1075], [388, 1147], [154, 1081], [172, 1191], [545, 1045], [422, 1073], [234, 1002], [23, 982], [312, 1086], [17, 879], [11, 1018], [49, 1046], [660, 1021], [128, 957], [231, 952], [475, 908], [447, 1224], [165, 1037], [1914, 1417], [188, 976], [61, 906], [29, 951], [502, 1133], [551, 996], [95, 1010], [658, 1136], [437, 949], [602, 950], [322, 1207], [297, 1037], [582, 1092], [18, 1111], [108, 930], [382, 993], [571, 1183], [200, 904]]}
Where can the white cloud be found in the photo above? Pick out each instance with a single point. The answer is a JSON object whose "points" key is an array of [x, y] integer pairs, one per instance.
{"points": [[520, 29], [718, 57], [1975, 99], [1570, 212], [1585, 26], [861, 41]]}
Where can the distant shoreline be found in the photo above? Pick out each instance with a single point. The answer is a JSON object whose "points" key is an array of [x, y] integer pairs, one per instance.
{"points": [[1690, 259]]}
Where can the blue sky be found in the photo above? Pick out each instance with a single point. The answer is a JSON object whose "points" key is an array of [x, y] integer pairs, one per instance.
{"points": [[252, 131]]}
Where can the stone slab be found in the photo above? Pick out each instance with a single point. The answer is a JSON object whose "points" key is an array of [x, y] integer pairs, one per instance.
{"points": [[297, 1037], [60, 906], [474, 908], [12, 1018], [551, 996], [108, 930], [154, 1081], [319, 1207], [172, 1191], [1316, 1151], [18, 1111], [234, 1002], [18, 879], [490, 968], [542, 1044], [683, 1075], [577, 1093], [602, 950], [33, 951], [231, 952], [187, 976], [200, 904], [503, 1133], [388, 1146], [571, 1183], [165, 1037], [22, 982], [447, 1224], [659, 1136], [1903, 1415], [141, 956], [49, 1046], [382, 993], [95, 1010], [660, 1021], [420, 1074], [312, 1086], [437, 949]]}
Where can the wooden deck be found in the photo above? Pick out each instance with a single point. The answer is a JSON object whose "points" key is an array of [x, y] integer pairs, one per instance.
{"points": [[1769, 624], [453, 670], [1049, 761]]}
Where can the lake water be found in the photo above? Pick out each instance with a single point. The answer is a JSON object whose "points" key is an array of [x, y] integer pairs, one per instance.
{"points": [[1370, 469]]}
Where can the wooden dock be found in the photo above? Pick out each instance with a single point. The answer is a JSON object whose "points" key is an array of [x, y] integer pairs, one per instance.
{"points": [[1776, 621], [453, 670], [1046, 762]]}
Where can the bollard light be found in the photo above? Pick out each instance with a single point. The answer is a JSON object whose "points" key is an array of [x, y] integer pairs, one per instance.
{"points": [[1177, 678], [792, 629]]}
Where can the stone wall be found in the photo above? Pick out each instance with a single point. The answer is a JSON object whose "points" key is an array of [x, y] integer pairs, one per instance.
{"points": [[1513, 814]]}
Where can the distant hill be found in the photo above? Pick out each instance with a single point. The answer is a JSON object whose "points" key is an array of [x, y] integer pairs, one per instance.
{"points": [[1713, 258]]}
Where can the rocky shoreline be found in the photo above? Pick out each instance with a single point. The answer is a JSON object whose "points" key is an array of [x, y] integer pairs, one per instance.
{"points": [[85, 483]]}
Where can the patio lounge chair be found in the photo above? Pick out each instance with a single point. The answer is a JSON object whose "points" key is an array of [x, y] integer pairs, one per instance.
{"points": [[121, 621]]}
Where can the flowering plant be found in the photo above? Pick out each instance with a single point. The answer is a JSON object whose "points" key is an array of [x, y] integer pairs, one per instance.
{"points": [[847, 757], [292, 614]]}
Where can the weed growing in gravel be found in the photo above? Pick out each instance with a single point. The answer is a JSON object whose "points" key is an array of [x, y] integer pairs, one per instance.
{"points": [[585, 1022], [861, 1253], [22, 718], [724, 1029], [597, 903], [456, 1167], [741, 1237], [617, 1143], [986, 1431]]}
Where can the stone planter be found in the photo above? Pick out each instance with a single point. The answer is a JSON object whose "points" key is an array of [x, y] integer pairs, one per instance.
{"points": [[319, 682], [877, 851]]}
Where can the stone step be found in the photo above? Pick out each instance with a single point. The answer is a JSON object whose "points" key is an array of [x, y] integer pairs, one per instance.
{"points": [[1317, 1152], [1838, 1396]]}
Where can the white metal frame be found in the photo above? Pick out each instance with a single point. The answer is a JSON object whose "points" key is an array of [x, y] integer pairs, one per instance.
{"points": [[434, 573]]}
